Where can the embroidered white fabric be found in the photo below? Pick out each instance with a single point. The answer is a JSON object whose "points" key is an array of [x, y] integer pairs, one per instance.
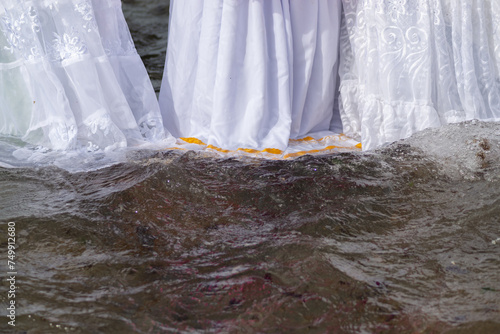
{"points": [[407, 65], [70, 76]]}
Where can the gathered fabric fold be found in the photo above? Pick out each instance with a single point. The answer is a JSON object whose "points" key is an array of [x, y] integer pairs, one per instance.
{"points": [[252, 75]]}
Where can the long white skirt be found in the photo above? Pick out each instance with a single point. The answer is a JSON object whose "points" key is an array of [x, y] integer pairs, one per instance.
{"points": [[252, 75], [410, 65], [71, 78]]}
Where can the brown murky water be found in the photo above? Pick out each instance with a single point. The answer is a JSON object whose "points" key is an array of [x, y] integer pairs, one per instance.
{"points": [[402, 240]]}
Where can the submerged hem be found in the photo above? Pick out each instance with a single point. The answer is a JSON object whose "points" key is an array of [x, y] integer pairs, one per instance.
{"points": [[297, 147]]}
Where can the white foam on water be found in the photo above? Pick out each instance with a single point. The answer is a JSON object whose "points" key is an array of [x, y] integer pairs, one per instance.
{"points": [[468, 150], [15, 154]]}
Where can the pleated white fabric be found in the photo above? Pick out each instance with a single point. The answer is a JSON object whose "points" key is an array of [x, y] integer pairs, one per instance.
{"points": [[409, 65], [71, 78], [251, 74]]}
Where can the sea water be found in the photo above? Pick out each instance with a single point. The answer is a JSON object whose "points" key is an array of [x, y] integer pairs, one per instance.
{"points": [[405, 239]]}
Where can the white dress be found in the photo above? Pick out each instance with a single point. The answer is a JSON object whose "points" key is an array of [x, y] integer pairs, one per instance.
{"points": [[71, 78], [253, 75], [407, 65]]}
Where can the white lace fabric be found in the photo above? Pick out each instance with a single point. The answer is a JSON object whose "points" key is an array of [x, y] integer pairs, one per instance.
{"points": [[70, 76], [407, 65]]}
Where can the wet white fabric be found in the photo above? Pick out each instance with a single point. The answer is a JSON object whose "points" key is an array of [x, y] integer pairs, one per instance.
{"points": [[409, 65], [251, 74], [70, 77]]}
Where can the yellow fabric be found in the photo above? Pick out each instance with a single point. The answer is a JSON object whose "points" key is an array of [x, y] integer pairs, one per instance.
{"points": [[297, 147]]}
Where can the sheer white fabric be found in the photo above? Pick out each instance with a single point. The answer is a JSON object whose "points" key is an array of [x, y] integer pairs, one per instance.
{"points": [[70, 76], [251, 74], [407, 65]]}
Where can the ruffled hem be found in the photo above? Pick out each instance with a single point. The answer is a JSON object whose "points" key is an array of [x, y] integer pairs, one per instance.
{"points": [[375, 122]]}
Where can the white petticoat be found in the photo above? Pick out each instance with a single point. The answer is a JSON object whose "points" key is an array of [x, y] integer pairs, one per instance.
{"points": [[70, 77], [256, 76], [410, 65]]}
